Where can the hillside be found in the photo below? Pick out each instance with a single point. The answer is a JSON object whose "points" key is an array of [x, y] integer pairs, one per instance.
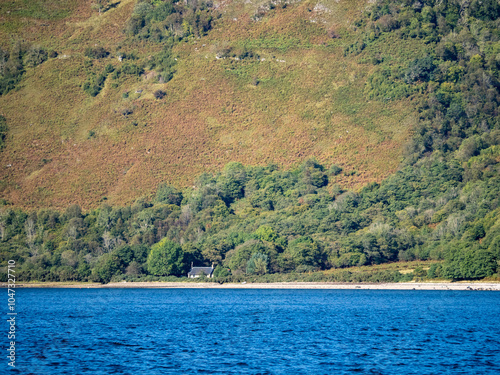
{"points": [[279, 141], [294, 96]]}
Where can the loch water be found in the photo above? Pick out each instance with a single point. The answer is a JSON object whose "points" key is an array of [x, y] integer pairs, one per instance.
{"points": [[269, 331]]}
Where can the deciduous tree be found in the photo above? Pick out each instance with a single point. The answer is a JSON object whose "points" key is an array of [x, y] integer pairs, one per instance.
{"points": [[166, 258]]}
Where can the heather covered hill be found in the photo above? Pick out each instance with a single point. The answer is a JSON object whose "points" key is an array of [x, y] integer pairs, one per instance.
{"points": [[254, 84]]}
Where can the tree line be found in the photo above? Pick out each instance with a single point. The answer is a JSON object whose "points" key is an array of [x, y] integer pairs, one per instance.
{"points": [[264, 220]]}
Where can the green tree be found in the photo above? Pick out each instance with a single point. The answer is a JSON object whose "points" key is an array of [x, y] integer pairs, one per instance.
{"points": [[166, 258], [266, 233], [221, 271], [305, 252], [485, 9], [312, 174], [83, 271], [257, 264], [232, 182], [168, 194], [134, 269], [469, 263], [434, 271], [192, 254], [73, 211], [108, 266], [237, 258]]}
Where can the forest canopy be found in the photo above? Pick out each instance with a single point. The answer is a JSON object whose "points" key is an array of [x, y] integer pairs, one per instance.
{"points": [[264, 220]]}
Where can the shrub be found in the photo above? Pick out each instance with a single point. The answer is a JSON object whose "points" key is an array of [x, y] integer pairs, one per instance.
{"points": [[335, 170], [131, 69], [96, 52], [332, 33], [93, 86], [126, 111], [159, 94], [35, 56], [109, 69], [3, 131], [100, 5]]}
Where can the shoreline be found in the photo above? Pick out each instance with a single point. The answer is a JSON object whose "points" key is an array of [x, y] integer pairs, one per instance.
{"points": [[489, 286]]}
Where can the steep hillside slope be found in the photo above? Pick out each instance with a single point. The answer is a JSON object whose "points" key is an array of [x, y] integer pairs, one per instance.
{"points": [[262, 86]]}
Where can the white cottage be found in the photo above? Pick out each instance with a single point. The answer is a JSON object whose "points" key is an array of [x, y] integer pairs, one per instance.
{"points": [[199, 271]]}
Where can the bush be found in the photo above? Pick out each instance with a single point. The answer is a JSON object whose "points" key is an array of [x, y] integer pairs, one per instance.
{"points": [[335, 170], [332, 33], [159, 94], [130, 69], [109, 69], [419, 272], [93, 86], [126, 111], [35, 56], [96, 52], [3, 131]]}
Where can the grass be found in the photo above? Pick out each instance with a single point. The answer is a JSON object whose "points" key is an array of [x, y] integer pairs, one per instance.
{"points": [[403, 267], [309, 101], [38, 9], [18, 17]]}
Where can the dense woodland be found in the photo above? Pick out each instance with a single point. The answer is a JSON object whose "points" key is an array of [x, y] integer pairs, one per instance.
{"points": [[442, 205], [259, 220], [459, 74]]}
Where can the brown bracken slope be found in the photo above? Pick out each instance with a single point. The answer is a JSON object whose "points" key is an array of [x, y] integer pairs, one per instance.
{"points": [[300, 98]]}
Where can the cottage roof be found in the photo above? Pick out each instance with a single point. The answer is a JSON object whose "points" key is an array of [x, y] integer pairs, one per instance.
{"points": [[199, 270]]}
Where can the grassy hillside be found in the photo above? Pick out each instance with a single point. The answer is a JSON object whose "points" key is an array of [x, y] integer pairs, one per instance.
{"points": [[297, 96]]}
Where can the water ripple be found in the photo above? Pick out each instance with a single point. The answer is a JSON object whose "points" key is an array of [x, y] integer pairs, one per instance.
{"points": [[137, 331]]}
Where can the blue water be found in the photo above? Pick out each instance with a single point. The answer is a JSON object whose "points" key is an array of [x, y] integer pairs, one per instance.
{"points": [[192, 331]]}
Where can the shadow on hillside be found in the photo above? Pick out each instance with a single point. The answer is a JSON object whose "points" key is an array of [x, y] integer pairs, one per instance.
{"points": [[114, 5]]}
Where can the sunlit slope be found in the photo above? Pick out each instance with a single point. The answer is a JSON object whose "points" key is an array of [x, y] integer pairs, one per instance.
{"points": [[297, 97]]}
